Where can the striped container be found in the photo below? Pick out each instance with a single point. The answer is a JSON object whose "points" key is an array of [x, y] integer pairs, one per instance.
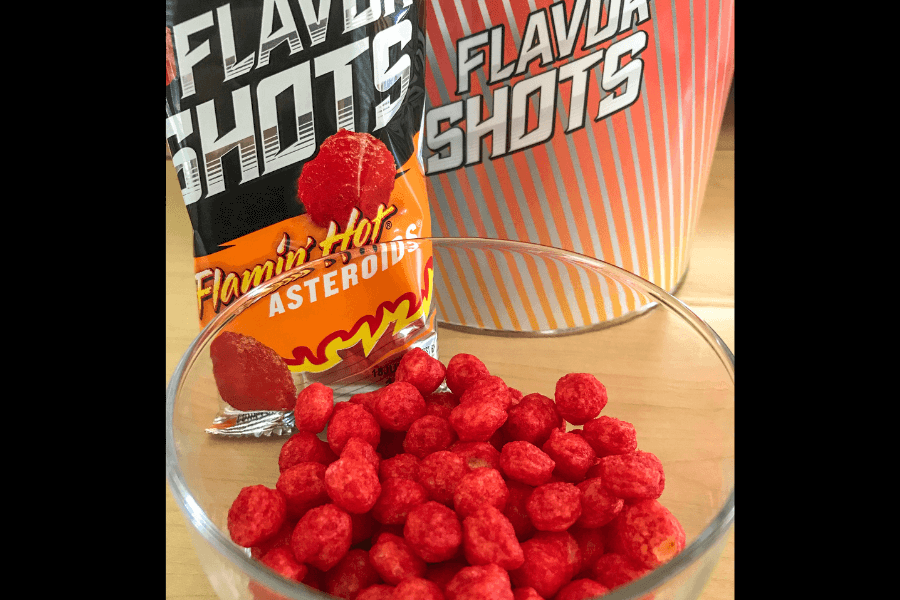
{"points": [[588, 125]]}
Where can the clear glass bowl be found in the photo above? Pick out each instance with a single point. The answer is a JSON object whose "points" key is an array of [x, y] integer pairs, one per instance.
{"points": [[665, 370]]}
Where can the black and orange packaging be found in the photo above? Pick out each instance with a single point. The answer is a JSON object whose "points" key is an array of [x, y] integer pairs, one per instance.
{"points": [[294, 128]]}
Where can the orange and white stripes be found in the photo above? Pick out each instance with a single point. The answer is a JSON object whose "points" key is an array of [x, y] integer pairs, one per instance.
{"points": [[625, 189]]}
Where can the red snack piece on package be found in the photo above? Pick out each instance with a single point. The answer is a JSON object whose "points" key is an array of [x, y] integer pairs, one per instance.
{"points": [[359, 449], [482, 582], [379, 591], [417, 588], [398, 497], [302, 447], [532, 420], [422, 370], [441, 573], [394, 559], [592, 546], [282, 561], [478, 454], [554, 506], [313, 407], [352, 484], [526, 463], [614, 570], [351, 575], [351, 170], [598, 505], [648, 533], [405, 466], [490, 388], [638, 475], [462, 371], [480, 486], [516, 510], [440, 473], [322, 536], [478, 420], [581, 589], [428, 434], [579, 397], [572, 454], [551, 560], [256, 514], [352, 420], [608, 435], [433, 531], [249, 375], [170, 58], [303, 487], [398, 405], [489, 537]]}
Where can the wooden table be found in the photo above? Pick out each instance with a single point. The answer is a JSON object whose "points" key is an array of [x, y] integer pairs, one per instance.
{"points": [[708, 289]]}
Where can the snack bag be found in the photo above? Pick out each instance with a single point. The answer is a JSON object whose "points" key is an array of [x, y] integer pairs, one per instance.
{"points": [[294, 128]]}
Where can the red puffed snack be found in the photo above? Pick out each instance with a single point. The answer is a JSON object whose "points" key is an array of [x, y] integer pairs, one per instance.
{"points": [[367, 399], [351, 575], [526, 593], [483, 485], [404, 465], [525, 462], [608, 435], [352, 484], [397, 406], [397, 497], [482, 582], [462, 371], [516, 510], [302, 447], [282, 561], [489, 537], [303, 487], [546, 568], [256, 514], [441, 573], [351, 170], [441, 404], [579, 397], [352, 420], [638, 475], [322, 536], [592, 546], [572, 454], [440, 473], [359, 449], [490, 388], [532, 420], [391, 443], [417, 588], [379, 591], [394, 559], [249, 375], [428, 434], [313, 408], [477, 420], [515, 396], [363, 528], [282, 538], [598, 505], [613, 570], [554, 506], [433, 531], [422, 370], [478, 454], [648, 533], [581, 589]]}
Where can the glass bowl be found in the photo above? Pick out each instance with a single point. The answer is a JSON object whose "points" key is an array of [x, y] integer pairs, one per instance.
{"points": [[666, 372]]}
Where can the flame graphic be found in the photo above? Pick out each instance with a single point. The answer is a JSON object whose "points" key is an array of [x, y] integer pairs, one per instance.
{"points": [[406, 309]]}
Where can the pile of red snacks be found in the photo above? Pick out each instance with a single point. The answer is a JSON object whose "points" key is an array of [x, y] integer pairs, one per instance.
{"points": [[479, 493]]}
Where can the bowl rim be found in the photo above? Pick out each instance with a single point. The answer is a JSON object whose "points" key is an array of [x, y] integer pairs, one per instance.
{"points": [[714, 532]]}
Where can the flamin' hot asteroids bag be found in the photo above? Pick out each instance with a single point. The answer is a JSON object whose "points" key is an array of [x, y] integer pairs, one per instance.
{"points": [[294, 127]]}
